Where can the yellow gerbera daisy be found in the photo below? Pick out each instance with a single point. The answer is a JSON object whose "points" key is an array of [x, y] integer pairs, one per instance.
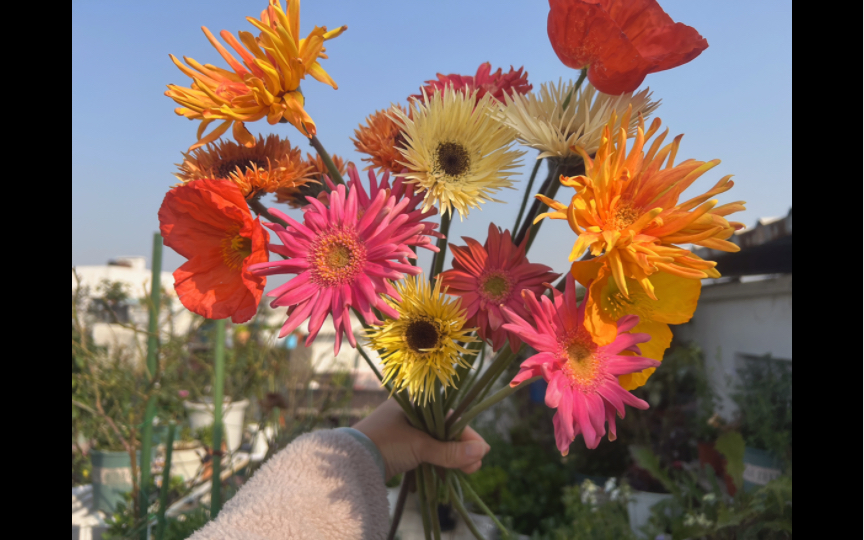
{"points": [[270, 165], [544, 123], [455, 150], [423, 344], [265, 84], [627, 209]]}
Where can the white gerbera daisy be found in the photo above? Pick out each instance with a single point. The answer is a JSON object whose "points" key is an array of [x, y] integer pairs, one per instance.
{"points": [[557, 119]]}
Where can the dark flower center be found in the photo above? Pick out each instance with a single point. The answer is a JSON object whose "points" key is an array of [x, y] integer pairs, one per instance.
{"points": [[453, 158], [230, 166], [421, 335]]}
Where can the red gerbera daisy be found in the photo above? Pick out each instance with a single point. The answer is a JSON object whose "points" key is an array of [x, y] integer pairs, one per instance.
{"points": [[484, 82], [620, 42], [582, 376], [209, 223], [344, 258], [490, 277]]}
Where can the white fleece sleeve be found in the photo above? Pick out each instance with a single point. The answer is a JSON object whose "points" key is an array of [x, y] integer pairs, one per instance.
{"points": [[325, 485]]}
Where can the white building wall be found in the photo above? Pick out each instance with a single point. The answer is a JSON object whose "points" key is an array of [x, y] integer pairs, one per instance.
{"points": [[736, 320]]}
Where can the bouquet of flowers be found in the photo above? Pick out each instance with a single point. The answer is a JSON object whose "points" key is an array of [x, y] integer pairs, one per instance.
{"points": [[447, 150]]}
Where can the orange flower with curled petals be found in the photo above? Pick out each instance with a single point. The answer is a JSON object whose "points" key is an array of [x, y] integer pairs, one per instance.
{"points": [[381, 138], [265, 83], [209, 223], [270, 165], [606, 305], [627, 210], [620, 42]]}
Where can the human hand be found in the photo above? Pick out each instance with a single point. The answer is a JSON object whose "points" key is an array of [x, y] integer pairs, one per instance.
{"points": [[404, 448]]}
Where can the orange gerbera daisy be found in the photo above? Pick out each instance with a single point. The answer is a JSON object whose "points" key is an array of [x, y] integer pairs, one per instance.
{"points": [[606, 305], [270, 165], [209, 223], [316, 171], [381, 139], [626, 209], [265, 85]]}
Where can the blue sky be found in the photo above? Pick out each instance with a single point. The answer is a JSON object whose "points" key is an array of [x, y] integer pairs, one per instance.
{"points": [[734, 102]]}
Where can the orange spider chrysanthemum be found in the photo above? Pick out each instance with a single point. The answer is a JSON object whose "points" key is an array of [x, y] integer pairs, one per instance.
{"points": [[626, 209], [266, 84], [270, 165], [316, 171], [381, 139]]}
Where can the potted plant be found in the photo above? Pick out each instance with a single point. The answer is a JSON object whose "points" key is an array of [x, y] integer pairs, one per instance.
{"points": [[764, 399]]}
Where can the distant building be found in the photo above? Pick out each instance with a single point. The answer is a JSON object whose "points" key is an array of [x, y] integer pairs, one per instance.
{"points": [[746, 314]]}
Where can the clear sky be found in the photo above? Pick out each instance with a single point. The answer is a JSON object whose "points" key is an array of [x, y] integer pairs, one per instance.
{"points": [[734, 102]]}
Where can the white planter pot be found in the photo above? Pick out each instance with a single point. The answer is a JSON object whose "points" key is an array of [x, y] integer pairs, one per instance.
{"points": [[201, 415], [639, 508], [186, 463]]}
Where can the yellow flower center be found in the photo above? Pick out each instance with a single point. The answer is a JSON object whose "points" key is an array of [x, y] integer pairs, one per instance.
{"points": [[495, 286], [453, 159], [624, 216], [235, 250], [422, 335], [336, 257], [581, 364]]}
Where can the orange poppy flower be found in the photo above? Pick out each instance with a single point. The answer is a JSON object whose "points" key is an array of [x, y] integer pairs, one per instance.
{"points": [[209, 223], [620, 42]]}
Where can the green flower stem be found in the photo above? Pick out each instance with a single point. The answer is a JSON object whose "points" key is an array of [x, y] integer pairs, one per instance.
{"points": [[457, 503], [492, 400], [438, 412], [166, 483], [424, 506], [438, 259], [551, 192], [527, 195], [534, 211], [258, 207], [505, 356], [432, 499], [582, 77], [466, 486], [371, 365], [335, 176], [463, 372], [427, 417], [218, 402]]}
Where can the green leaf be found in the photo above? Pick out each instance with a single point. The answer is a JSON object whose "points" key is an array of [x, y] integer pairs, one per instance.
{"points": [[648, 460], [731, 445]]}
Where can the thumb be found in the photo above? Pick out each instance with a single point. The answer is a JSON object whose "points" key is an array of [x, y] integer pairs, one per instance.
{"points": [[452, 455]]}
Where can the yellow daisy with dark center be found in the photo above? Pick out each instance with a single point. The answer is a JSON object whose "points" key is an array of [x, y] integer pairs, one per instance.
{"points": [[426, 342], [455, 150]]}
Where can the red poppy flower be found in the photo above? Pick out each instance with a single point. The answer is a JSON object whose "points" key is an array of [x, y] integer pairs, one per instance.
{"points": [[620, 42], [209, 223], [484, 82]]}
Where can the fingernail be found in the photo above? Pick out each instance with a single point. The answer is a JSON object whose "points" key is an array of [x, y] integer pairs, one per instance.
{"points": [[475, 449]]}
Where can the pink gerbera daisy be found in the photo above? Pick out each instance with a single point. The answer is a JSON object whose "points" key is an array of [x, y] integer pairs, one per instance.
{"points": [[343, 259], [491, 276], [582, 376], [485, 82], [405, 201]]}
